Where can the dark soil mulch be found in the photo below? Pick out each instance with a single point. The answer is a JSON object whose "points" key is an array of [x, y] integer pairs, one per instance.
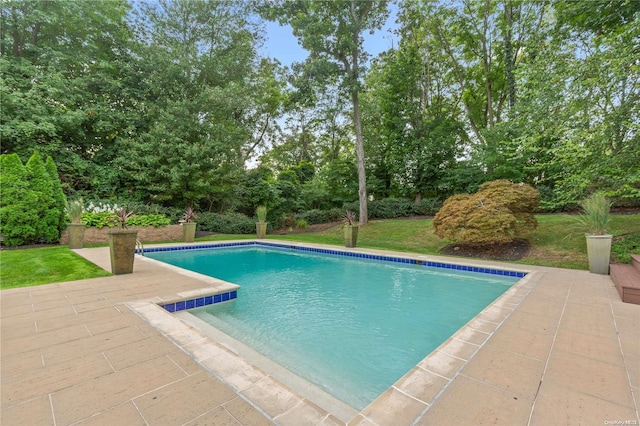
{"points": [[515, 250]]}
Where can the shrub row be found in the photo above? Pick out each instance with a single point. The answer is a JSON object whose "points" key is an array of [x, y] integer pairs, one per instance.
{"points": [[227, 223], [110, 219], [387, 208]]}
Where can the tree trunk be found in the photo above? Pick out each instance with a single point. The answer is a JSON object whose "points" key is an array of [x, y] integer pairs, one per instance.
{"points": [[362, 179]]}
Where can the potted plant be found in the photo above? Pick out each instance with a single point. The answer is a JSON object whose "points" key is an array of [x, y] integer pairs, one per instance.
{"points": [[350, 229], [261, 224], [122, 245], [76, 228], [188, 224], [595, 219]]}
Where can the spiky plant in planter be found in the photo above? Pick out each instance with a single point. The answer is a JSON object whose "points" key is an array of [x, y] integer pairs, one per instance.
{"points": [[189, 224], [76, 228], [261, 224], [350, 229], [594, 220], [122, 244]]}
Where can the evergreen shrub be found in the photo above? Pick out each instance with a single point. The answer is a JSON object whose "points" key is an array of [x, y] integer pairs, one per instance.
{"points": [[227, 223], [18, 204], [48, 210], [315, 216]]}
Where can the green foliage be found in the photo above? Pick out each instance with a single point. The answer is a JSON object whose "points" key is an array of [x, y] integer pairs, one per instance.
{"points": [[228, 223], [58, 196], [154, 220], [256, 189], [624, 246], [315, 216], [48, 226], [75, 209], [32, 204], [301, 224], [595, 214], [499, 212], [18, 204], [389, 208], [261, 213], [101, 219]]}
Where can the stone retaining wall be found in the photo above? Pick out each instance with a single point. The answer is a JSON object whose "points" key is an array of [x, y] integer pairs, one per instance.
{"points": [[146, 234]]}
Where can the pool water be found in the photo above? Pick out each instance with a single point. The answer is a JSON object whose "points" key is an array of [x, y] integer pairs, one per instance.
{"points": [[351, 326]]}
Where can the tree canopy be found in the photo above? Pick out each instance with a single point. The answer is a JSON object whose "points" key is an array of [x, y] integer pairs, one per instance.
{"points": [[171, 103]]}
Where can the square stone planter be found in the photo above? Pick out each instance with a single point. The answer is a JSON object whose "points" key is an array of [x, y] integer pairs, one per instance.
{"points": [[122, 248], [75, 233], [261, 229], [189, 231], [599, 253], [350, 235]]}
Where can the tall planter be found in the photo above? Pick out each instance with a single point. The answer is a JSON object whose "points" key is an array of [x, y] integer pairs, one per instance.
{"points": [[75, 233], [261, 229], [350, 235], [189, 231], [599, 253], [122, 247]]}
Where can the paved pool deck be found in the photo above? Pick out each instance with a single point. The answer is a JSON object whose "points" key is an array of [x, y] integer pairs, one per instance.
{"points": [[558, 348]]}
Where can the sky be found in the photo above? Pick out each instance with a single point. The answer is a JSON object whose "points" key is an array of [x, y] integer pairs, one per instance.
{"points": [[283, 45]]}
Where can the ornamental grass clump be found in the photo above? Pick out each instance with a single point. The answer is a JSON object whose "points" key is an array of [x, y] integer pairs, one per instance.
{"points": [[75, 209], [261, 213], [596, 213]]}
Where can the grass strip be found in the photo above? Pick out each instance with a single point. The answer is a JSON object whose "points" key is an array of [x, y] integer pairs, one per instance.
{"points": [[30, 267]]}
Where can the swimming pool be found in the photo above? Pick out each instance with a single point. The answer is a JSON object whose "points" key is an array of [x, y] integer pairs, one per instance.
{"points": [[352, 326]]}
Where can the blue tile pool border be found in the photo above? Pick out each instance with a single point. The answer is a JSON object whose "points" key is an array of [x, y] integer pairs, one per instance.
{"points": [[442, 265], [200, 301]]}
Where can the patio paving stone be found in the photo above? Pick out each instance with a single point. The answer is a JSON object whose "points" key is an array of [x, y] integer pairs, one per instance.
{"points": [[559, 348]]}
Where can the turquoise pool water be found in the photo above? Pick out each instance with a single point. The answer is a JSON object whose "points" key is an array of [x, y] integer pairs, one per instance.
{"points": [[351, 326]]}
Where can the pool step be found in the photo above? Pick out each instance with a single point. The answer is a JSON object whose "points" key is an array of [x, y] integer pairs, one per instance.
{"points": [[626, 277]]}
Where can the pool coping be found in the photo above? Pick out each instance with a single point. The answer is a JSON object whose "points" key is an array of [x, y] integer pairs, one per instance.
{"points": [[416, 391]]}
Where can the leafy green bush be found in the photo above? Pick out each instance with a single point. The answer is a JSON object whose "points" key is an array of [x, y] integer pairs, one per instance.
{"points": [[154, 220], [227, 223], [316, 216], [389, 208], [427, 207], [48, 209], [624, 246], [499, 212], [110, 219], [18, 204], [301, 224], [100, 219]]}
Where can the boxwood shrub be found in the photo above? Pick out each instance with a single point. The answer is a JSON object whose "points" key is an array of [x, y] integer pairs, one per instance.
{"points": [[227, 223]]}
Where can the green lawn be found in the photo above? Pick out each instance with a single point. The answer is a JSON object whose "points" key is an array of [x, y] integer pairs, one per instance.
{"points": [[28, 267], [555, 243]]}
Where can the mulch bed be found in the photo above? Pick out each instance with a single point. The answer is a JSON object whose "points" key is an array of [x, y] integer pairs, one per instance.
{"points": [[515, 250]]}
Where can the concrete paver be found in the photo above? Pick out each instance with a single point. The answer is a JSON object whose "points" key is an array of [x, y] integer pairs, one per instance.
{"points": [[558, 348]]}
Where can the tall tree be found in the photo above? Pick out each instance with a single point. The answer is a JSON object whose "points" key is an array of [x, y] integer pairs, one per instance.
{"points": [[66, 88], [208, 102], [332, 33]]}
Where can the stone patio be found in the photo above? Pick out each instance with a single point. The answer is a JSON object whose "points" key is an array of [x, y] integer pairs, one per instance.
{"points": [[561, 348]]}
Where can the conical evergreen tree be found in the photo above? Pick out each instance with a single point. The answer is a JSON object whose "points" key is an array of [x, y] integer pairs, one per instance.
{"points": [[48, 214], [58, 194], [18, 217]]}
